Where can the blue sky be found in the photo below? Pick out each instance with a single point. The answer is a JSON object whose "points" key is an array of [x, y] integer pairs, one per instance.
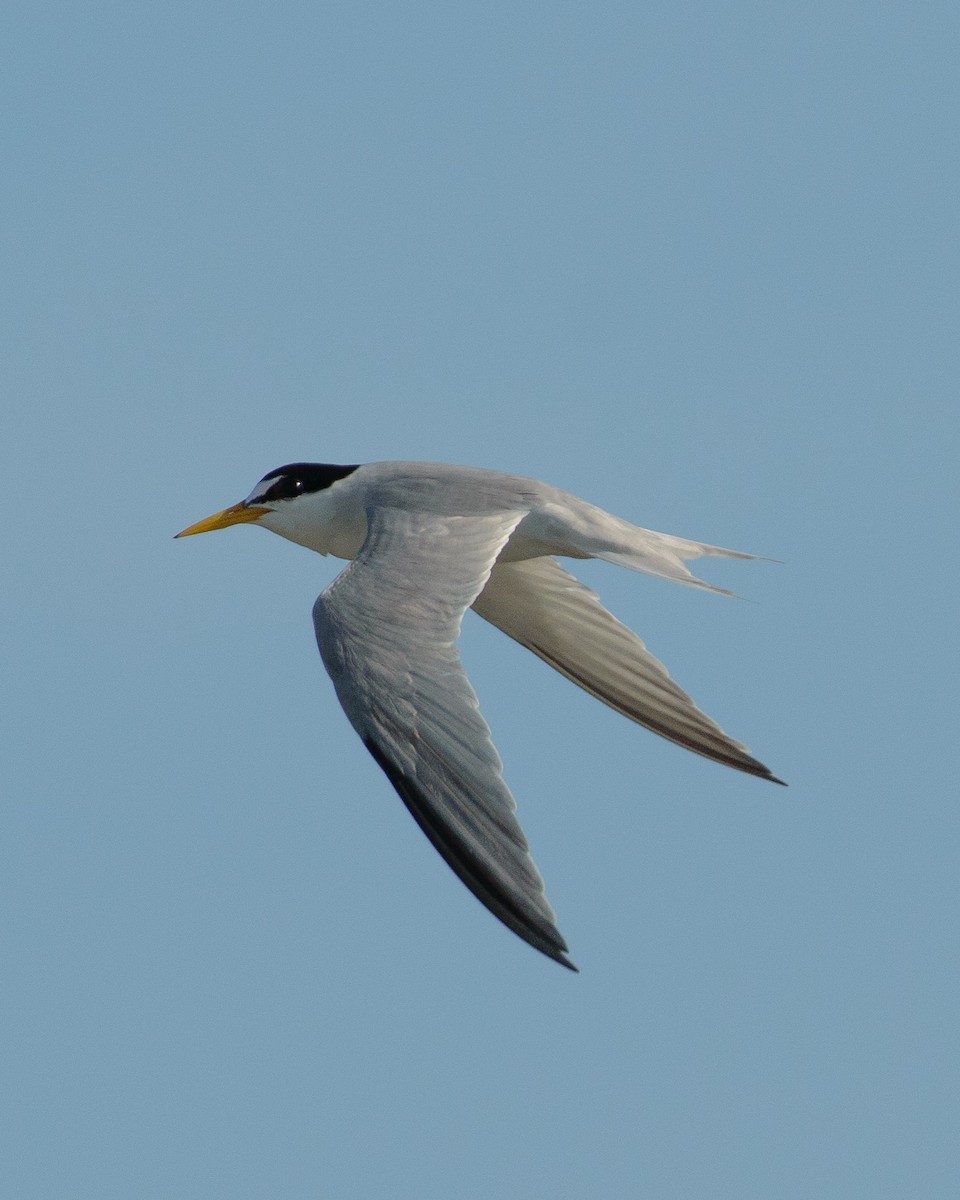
{"points": [[695, 263]]}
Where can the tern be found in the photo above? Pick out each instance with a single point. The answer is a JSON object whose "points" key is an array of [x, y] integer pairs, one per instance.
{"points": [[426, 542]]}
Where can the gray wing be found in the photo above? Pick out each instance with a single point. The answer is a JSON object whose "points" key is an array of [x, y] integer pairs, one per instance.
{"points": [[386, 629], [543, 607]]}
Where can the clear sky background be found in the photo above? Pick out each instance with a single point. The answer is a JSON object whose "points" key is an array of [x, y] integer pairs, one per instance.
{"points": [[694, 262]]}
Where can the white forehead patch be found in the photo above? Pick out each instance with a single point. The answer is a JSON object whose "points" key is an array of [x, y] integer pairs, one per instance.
{"points": [[260, 490]]}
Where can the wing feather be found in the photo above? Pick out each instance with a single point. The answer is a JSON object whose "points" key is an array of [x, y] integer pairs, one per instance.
{"points": [[543, 607], [386, 629]]}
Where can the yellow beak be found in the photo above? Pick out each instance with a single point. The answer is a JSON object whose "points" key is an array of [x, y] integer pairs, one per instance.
{"points": [[236, 514]]}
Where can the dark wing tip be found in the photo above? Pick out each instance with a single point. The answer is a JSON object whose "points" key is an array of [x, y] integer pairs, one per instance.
{"points": [[756, 769], [468, 866]]}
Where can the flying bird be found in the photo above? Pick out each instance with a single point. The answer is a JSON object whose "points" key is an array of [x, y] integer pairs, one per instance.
{"points": [[426, 542]]}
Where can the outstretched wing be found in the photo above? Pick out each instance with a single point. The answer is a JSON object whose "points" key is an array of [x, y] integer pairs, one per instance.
{"points": [[543, 607], [386, 629]]}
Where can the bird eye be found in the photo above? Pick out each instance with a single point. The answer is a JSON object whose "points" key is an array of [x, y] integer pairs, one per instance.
{"points": [[288, 487]]}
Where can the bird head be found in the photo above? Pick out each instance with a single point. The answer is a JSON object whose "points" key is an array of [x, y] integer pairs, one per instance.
{"points": [[286, 501]]}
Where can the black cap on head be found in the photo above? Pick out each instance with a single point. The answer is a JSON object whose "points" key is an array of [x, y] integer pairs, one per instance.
{"points": [[297, 479]]}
